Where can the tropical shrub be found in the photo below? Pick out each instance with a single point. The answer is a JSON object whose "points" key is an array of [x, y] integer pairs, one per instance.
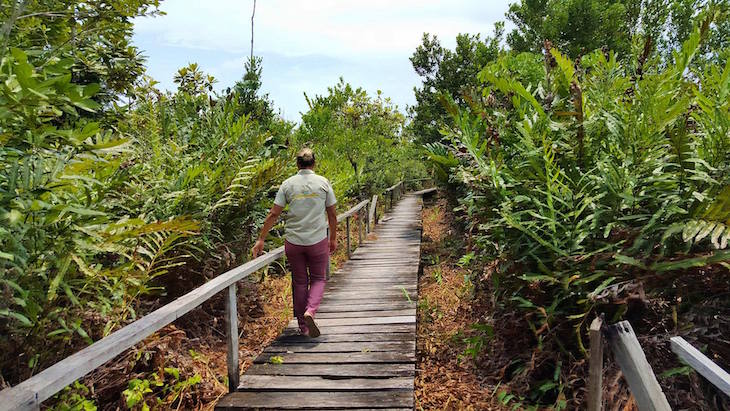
{"points": [[93, 216], [585, 179]]}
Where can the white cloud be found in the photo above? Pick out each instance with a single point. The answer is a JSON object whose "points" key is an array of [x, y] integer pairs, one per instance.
{"points": [[308, 45], [330, 27]]}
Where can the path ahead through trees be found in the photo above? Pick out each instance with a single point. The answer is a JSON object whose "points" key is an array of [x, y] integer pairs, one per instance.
{"points": [[366, 355]]}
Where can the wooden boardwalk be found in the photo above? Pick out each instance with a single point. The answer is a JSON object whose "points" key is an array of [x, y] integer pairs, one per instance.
{"points": [[365, 357]]}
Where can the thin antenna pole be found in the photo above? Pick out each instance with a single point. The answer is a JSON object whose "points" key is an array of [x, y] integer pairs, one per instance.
{"points": [[252, 16]]}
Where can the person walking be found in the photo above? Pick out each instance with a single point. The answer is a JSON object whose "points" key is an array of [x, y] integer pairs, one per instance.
{"points": [[310, 197]]}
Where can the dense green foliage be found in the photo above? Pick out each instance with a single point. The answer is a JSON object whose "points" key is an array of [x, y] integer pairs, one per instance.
{"points": [[578, 27], [584, 166], [578, 180], [447, 72]]}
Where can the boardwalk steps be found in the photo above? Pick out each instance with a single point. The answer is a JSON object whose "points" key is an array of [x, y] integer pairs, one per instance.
{"points": [[365, 357]]}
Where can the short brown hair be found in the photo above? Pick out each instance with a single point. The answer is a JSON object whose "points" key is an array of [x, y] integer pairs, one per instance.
{"points": [[305, 158]]}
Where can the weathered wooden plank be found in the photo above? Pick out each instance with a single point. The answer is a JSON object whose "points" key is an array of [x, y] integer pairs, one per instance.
{"points": [[364, 286], [342, 294], [636, 368], [385, 248], [364, 273], [323, 347], [336, 286], [395, 254], [330, 322], [373, 301], [368, 298], [316, 400], [374, 336], [316, 383], [332, 308], [372, 264], [355, 280], [360, 329], [335, 370], [399, 302], [362, 314], [340, 358], [700, 363], [394, 283], [232, 337]]}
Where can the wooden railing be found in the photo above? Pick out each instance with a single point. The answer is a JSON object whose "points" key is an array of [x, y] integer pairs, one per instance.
{"points": [[636, 369], [29, 394]]}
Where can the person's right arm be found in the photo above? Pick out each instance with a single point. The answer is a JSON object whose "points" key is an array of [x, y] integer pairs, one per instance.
{"points": [[274, 214]]}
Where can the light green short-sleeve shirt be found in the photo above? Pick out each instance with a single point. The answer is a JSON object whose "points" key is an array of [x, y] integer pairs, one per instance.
{"points": [[307, 194]]}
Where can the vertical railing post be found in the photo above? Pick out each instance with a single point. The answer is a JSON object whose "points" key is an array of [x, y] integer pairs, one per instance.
{"points": [[595, 366], [359, 227], [232, 337], [367, 220], [347, 222], [327, 277], [372, 213]]}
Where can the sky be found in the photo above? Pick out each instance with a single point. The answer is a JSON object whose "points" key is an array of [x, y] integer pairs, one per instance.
{"points": [[307, 46]]}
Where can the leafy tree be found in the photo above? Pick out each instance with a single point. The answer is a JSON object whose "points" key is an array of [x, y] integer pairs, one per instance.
{"points": [[191, 80], [94, 35], [580, 26], [575, 26], [348, 127], [247, 91], [450, 73]]}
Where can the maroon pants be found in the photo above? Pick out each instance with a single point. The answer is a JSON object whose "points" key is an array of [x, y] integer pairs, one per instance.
{"points": [[309, 270]]}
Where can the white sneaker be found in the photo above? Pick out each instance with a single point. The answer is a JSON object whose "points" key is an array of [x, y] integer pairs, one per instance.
{"points": [[313, 329]]}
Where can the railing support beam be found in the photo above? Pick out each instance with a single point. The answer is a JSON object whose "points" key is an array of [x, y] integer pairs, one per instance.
{"points": [[232, 337], [595, 373], [359, 227], [347, 224]]}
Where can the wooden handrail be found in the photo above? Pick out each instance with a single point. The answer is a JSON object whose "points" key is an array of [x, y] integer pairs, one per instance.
{"points": [[352, 211], [29, 394], [393, 187]]}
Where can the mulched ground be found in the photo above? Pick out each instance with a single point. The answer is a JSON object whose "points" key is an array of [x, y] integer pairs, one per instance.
{"points": [[447, 378]]}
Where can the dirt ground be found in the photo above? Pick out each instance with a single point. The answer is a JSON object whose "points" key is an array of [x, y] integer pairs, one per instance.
{"points": [[446, 378]]}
